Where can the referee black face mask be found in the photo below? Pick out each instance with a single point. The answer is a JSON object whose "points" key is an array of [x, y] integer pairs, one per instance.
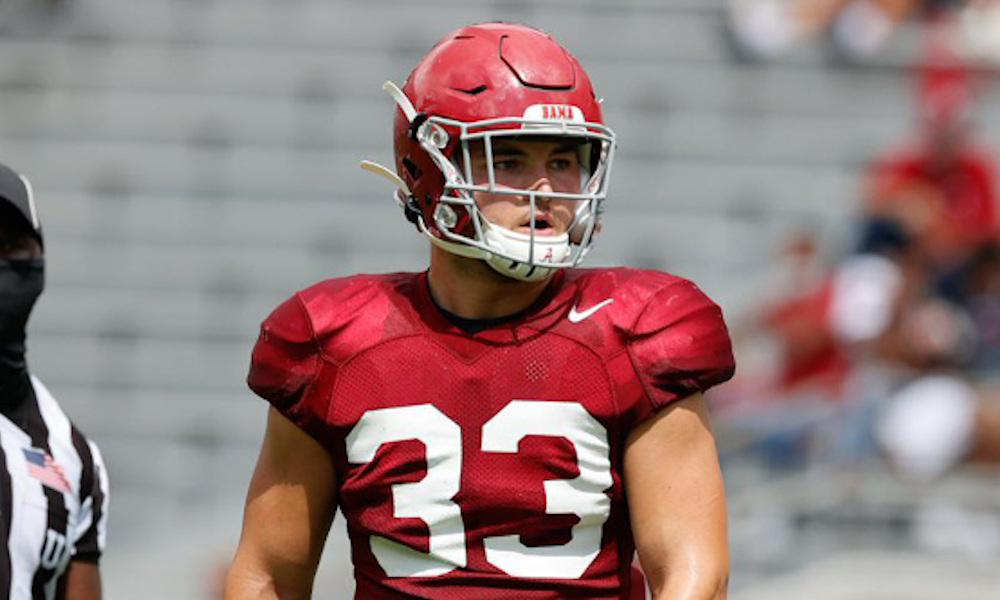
{"points": [[21, 282]]}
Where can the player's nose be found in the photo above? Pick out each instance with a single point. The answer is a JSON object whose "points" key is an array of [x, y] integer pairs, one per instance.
{"points": [[543, 185]]}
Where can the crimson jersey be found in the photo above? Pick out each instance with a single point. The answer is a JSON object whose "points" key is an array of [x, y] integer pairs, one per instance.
{"points": [[487, 465]]}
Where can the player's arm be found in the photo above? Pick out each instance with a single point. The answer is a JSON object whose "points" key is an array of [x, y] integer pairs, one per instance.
{"points": [[81, 581], [290, 506], [677, 503]]}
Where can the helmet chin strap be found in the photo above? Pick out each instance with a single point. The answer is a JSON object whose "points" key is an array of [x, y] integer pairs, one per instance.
{"points": [[510, 241], [524, 246], [519, 271], [453, 247]]}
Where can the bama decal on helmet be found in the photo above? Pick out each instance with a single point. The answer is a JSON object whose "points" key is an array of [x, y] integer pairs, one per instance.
{"points": [[554, 112]]}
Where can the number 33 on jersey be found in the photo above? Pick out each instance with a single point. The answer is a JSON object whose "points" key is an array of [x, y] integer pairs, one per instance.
{"points": [[487, 465]]}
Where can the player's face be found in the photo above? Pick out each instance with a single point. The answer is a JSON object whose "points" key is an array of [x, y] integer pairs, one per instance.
{"points": [[16, 240], [542, 165]]}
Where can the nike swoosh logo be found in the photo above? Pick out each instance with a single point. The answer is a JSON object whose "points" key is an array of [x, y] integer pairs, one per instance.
{"points": [[577, 316]]}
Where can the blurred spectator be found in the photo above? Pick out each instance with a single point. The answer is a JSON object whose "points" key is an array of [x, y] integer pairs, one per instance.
{"points": [[927, 426], [978, 290], [942, 188], [937, 421], [898, 332], [941, 185], [796, 315], [878, 336], [821, 319], [819, 315], [869, 284], [857, 29], [979, 30], [868, 292]]}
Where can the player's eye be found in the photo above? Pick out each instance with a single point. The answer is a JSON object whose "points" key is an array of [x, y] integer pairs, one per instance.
{"points": [[506, 165], [561, 164]]}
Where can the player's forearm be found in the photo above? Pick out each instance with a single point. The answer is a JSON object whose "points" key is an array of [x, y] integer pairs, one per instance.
{"points": [[244, 584], [692, 582], [248, 583]]}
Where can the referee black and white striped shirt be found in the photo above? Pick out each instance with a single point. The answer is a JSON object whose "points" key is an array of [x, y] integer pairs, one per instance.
{"points": [[53, 497]]}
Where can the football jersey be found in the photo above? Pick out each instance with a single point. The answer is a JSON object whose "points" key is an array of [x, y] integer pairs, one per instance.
{"points": [[488, 464]]}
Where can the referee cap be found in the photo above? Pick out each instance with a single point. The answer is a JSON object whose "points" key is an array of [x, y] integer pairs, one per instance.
{"points": [[16, 190]]}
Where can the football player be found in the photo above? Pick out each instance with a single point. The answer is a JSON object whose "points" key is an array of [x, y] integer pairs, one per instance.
{"points": [[501, 425]]}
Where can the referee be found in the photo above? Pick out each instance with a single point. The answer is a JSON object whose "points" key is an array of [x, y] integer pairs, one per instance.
{"points": [[53, 486]]}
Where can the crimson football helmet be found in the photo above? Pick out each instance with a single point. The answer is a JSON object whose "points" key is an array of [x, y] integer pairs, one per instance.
{"points": [[478, 84]]}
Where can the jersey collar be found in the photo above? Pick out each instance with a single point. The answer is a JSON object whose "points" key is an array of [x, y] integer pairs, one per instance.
{"points": [[543, 311]]}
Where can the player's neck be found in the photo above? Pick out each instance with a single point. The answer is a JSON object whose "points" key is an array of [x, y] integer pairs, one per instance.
{"points": [[469, 288]]}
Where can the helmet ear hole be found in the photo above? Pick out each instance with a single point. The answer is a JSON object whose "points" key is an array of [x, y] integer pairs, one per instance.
{"points": [[411, 167], [411, 209], [415, 125]]}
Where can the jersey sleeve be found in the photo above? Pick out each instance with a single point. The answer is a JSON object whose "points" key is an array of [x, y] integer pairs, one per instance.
{"points": [[89, 532], [285, 363], [680, 345]]}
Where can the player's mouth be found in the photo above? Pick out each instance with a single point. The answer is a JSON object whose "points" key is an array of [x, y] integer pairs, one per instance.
{"points": [[543, 225]]}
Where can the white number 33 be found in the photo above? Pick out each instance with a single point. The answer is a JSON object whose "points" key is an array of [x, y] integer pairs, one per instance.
{"points": [[432, 498]]}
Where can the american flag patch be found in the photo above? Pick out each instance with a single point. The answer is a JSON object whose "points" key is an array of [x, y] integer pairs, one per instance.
{"points": [[44, 469]]}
